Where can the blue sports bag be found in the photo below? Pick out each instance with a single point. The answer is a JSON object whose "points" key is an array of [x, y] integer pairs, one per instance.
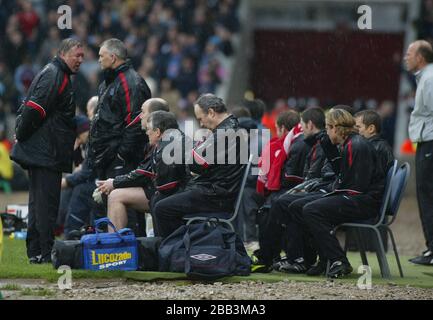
{"points": [[110, 251]]}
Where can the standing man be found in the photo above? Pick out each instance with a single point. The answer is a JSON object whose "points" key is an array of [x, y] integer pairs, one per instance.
{"points": [[116, 140], [45, 133], [419, 60]]}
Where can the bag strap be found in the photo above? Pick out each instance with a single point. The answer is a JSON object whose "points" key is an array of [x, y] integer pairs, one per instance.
{"points": [[106, 221]]}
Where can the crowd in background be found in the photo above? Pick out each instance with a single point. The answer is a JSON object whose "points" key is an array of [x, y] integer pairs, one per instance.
{"points": [[176, 45]]}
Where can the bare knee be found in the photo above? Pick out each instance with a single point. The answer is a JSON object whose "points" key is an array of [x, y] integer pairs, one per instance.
{"points": [[115, 196]]}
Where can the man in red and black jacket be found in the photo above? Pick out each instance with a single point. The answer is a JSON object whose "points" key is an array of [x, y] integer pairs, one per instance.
{"points": [[116, 139], [45, 134], [217, 168], [272, 231], [356, 196], [154, 179]]}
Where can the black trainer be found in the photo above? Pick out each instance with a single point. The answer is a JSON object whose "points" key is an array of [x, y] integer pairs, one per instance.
{"points": [[282, 263], [298, 266], [317, 270], [339, 269], [46, 259], [35, 259], [258, 265], [425, 259]]}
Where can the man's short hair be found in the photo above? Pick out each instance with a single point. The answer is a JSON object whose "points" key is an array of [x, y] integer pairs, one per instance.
{"points": [[370, 117], [210, 101], [257, 108], [425, 50], [316, 115], [158, 104], [116, 47], [241, 112], [68, 44], [162, 120], [288, 119], [344, 107]]}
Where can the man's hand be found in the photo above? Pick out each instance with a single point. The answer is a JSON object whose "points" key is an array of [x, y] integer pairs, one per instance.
{"points": [[105, 186]]}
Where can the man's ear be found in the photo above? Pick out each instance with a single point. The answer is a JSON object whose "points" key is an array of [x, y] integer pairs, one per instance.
{"points": [[211, 112], [158, 132], [371, 129]]}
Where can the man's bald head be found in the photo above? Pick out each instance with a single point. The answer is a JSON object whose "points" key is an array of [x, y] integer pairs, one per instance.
{"points": [[152, 105], [91, 106], [156, 104], [418, 55]]}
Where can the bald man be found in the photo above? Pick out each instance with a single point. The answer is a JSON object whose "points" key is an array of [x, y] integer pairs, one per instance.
{"points": [[419, 61], [91, 107], [137, 189]]}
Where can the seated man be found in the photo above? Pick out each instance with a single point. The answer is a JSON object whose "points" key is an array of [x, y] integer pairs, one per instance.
{"points": [[356, 195], [153, 180], [313, 124], [217, 167], [283, 158], [81, 184], [369, 123]]}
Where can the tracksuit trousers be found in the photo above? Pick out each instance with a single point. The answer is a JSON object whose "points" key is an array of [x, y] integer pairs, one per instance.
{"points": [[424, 188], [44, 199]]}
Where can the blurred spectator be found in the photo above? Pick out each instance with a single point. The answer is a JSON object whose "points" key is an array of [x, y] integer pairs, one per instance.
{"points": [[183, 40], [186, 81], [170, 94], [24, 75]]}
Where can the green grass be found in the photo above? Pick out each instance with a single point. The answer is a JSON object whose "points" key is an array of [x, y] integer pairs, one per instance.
{"points": [[38, 292], [14, 265], [11, 287]]}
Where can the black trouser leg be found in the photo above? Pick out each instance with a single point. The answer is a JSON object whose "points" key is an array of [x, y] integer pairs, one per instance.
{"points": [[168, 212], [247, 216], [322, 215], [424, 188], [276, 223], [32, 240], [301, 244], [43, 208]]}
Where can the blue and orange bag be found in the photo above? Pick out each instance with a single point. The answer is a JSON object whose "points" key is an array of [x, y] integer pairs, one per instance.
{"points": [[110, 251]]}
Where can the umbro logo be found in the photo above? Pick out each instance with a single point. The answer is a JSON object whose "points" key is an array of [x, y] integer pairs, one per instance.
{"points": [[203, 257]]}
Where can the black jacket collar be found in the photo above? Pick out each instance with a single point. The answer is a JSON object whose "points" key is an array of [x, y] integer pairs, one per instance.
{"points": [[62, 65], [111, 74], [231, 122], [312, 140]]}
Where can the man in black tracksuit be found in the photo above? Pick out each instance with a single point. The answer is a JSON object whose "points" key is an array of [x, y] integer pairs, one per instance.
{"points": [[313, 123], [154, 179], [356, 195], [369, 124], [218, 171], [116, 140], [45, 133]]}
